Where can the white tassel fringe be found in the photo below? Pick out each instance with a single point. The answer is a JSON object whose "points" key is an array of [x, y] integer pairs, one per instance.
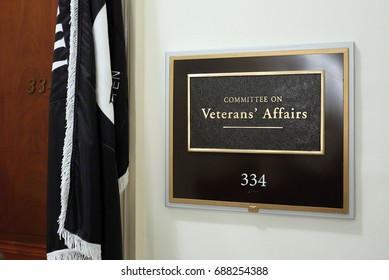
{"points": [[65, 255], [78, 248], [71, 89], [123, 181]]}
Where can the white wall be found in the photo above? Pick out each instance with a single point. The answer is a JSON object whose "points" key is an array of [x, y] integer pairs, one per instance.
{"points": [[178, 25]]}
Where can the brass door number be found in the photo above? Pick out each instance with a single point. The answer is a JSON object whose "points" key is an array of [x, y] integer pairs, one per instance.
{"points": [[39, 85]]}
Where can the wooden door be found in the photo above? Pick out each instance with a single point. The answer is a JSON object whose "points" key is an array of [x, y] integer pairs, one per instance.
{"points": [[26, 51]]}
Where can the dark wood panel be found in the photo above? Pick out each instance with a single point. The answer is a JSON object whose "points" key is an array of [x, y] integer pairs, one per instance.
{"points": [[19, 251], [27, 39]]}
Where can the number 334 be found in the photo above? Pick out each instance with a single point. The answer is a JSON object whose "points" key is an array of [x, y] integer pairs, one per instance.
{"points": [[251, 180]]}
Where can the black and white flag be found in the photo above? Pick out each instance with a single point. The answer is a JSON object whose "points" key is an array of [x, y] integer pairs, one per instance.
{"points": [[88, 132]]}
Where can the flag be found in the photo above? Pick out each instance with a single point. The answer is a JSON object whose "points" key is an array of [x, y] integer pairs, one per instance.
{"points": [[88, 132]]}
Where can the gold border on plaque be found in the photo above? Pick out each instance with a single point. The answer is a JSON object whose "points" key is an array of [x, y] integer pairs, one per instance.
{"points": [[346, 88], [254, 207], [259, 151]]}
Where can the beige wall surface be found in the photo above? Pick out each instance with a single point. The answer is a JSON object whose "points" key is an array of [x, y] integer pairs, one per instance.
{"points": [[190, 25]]}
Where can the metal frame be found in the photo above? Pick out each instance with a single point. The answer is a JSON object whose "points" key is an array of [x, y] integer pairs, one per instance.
{"points": [[348, 141]]}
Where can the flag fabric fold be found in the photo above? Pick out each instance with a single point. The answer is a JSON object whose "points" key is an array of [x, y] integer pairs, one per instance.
{"points": [[88, 131]]}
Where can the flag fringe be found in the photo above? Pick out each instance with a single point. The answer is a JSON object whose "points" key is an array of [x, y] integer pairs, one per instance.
{"points": [[69, 117], [72, 241], [75, 243], [123, 181], [66, 255]]}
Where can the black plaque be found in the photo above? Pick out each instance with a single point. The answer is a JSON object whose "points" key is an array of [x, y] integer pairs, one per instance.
{"points": [[259, 112], [260, 130]]}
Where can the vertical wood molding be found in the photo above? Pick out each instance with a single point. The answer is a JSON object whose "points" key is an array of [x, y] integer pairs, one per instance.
{"points": [[132, 200], [124, 201], [136, 45]]}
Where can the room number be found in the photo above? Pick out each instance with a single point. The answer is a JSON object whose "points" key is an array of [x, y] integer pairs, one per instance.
{"points": [[253, 180], [39, 85]]}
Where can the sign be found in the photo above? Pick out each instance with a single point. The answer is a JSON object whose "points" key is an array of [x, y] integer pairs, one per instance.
{"points": [[264, 130], [256, 112]]}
